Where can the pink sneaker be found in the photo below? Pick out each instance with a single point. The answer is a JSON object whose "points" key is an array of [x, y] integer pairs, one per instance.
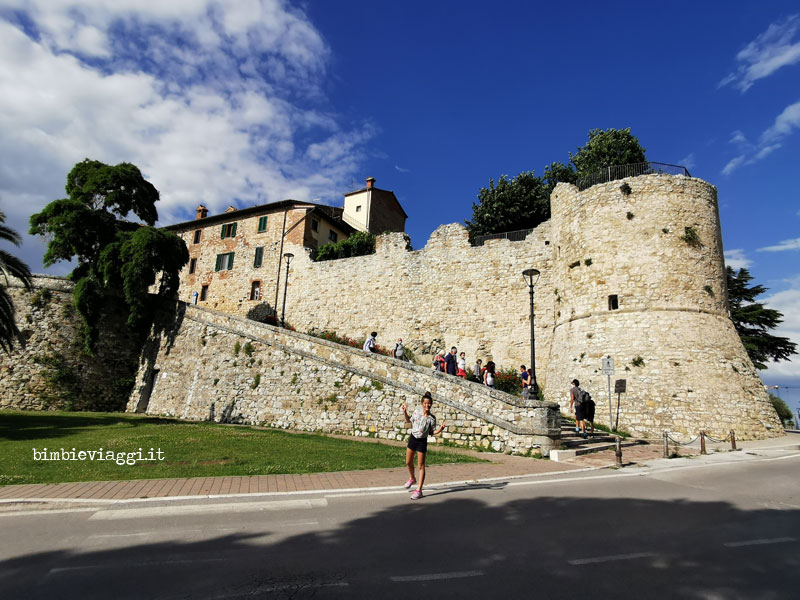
{"points": [[416, 495], [409, 483]]}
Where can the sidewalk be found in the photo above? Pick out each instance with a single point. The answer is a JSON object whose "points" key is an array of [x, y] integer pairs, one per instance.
{"points": [[501, 466]]}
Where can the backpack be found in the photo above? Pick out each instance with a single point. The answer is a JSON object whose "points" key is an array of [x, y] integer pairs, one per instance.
{"points": [[585, 398]]}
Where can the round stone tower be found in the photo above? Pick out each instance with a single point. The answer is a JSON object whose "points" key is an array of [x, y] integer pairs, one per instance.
{"points": [[639, 275]]}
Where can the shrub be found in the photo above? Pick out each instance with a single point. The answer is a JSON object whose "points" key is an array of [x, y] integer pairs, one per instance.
{"points": [[508, 381], [359, 244]]}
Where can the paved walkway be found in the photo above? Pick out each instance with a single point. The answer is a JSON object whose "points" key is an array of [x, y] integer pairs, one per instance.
{"points": [[499, 467]]}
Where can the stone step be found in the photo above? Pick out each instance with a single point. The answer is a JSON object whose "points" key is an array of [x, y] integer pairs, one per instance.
{"points": [[588, 448]]}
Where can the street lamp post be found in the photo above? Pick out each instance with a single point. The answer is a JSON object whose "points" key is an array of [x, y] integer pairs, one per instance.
{"points": [[531, 276], [288, 256]]}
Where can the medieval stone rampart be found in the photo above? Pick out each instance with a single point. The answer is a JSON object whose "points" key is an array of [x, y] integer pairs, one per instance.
{"points": [[634, 273], [206, 365]]}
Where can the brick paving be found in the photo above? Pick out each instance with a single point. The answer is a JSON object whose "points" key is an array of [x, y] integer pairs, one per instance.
{"points": [[499, 466]]}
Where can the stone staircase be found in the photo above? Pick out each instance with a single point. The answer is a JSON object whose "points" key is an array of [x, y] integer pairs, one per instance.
{"points": [[573, 444]]}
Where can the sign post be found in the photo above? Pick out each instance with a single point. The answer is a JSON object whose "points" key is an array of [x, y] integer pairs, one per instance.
{"points": [[608, 369]]}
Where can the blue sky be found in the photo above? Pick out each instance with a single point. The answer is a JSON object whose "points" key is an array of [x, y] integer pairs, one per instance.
{"points": [[252, 101]]}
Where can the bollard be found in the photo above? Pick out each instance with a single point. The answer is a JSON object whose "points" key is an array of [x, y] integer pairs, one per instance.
{"points": [[618, 451], [703, 442], [666, 445], [733, 440]]}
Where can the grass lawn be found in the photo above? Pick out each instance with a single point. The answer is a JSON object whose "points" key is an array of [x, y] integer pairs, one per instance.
{"points": [[188, 449]]}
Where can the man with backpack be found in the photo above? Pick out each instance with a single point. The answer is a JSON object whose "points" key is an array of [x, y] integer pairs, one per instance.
{"points": [[578, 398]]}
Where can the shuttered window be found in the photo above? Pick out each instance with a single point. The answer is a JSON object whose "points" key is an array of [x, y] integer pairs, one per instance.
{"points": [[228, 230], [259, 258], [224, 262], [262, 224]]}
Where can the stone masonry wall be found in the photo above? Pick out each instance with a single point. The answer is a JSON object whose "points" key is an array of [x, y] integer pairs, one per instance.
{"points": [[208, 365], [447, 294], [49, 371], [669, 283], [671, 318]]}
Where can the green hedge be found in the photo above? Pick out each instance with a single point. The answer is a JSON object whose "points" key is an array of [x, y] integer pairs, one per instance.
{"points": [[358, 244]]}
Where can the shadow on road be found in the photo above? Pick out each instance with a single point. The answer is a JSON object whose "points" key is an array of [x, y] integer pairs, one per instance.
{"points": [[547, 547]]}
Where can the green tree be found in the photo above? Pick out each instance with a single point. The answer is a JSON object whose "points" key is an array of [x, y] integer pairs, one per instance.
{"points": [[114, 255], [523, 202], [10, 265], [783, 410], [607, 148], [753, 321], [510, 205]]}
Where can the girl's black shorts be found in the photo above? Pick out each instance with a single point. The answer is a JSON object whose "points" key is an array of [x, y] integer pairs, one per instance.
{"points": [[416, 444]]}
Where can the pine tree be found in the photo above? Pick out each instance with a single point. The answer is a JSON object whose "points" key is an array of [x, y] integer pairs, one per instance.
{"points": [[753, 321]]}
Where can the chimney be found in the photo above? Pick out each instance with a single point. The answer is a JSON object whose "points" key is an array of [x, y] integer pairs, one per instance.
{"points": [[370, 182], [202, 212], [230, 209]]}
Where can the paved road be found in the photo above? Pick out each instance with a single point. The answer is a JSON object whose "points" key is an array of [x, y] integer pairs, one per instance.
{"points": [[723, 526]]}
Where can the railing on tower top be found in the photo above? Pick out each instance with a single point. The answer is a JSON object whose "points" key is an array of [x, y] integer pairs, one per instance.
{"points": [[514, 236], [607, 174]]}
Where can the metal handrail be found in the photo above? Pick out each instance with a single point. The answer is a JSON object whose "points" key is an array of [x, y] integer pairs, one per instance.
{"points": [[514, 236], [613, 173]]}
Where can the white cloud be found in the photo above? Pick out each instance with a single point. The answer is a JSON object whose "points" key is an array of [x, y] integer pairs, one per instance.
{"points": [[769, 141], [785, 124], [771, 50], [733, 164], [735, 259], [788, 303], [689, 161], [215, 102], [782, 246], [400, 169]]}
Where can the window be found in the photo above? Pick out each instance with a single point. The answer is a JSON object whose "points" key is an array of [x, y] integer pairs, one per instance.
{"points": [[259, 258], [204, 292], [197, 236], [333, 236], [613, 302], [262, 224], [224, 262], [358, 208], [314, 225], [192, 266], [228, 230], [255, 290]]}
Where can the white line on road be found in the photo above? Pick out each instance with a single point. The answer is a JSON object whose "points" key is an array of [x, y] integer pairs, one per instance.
{"points": [[612, 557], [227, 508], [149, 563], [437, 576], [761, 542]]}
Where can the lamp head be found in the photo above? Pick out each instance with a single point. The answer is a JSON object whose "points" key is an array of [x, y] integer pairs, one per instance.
{"points": [[531, 276]]}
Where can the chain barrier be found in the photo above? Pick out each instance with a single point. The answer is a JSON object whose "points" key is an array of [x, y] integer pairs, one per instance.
{"points": [[703, 436]]}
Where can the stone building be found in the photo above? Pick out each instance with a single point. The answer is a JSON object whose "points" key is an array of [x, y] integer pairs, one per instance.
{"points": [[236, 257]]}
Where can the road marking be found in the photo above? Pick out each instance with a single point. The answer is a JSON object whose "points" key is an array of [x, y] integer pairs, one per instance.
{"points": [[149, 563], [610, 558], [437, 576], [227, 508], [761, 542]]}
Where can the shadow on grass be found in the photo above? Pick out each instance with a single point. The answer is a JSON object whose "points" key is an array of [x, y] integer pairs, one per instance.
{"points": [[34, 425], [450, 547]]}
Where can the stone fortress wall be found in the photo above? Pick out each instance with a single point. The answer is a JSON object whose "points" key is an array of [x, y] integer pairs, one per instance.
{"points": [[669, 332], [48, 370], [206, 365]]}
